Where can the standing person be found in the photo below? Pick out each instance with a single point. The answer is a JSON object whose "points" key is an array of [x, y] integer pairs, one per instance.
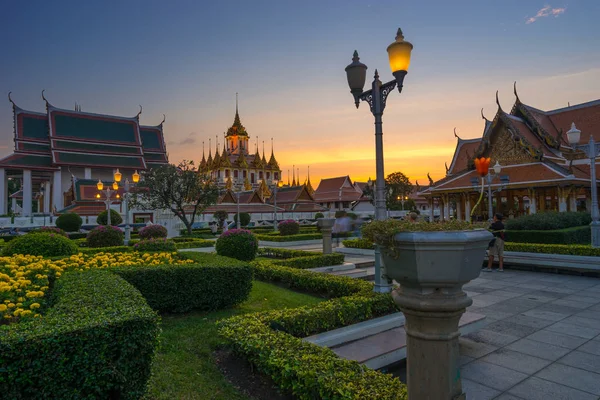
{"points": [[496, 247], [412, 217], [225, 227]]}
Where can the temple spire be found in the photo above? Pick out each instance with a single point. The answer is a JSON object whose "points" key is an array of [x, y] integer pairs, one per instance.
{"points": [[309, 187], [293, 175], [288, 178]]}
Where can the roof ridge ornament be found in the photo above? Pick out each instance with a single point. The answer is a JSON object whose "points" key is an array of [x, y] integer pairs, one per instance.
{"points": [[139, 113], [46, 100], [498, 102], [483, 116], [430, 180], [163, 121], [455, 135], [515, 91]]}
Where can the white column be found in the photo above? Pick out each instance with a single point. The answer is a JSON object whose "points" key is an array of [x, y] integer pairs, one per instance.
{"points": [[562, 204], [47, 194], [87, 174], [3, 192], [57, 192], [532, 205], [27, 192], [14, 205]]}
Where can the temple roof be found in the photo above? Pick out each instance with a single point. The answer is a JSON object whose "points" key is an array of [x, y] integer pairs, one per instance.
{"points": [[336, 189], [237, 129], [463, 154]]}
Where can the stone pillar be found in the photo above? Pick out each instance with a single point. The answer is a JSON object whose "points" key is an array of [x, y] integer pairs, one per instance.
{"points": [[3, 192], [562, 200], [573, 201], [432, 317], [57, 192], [14, 204], [459, 201], [87, 173], [326, 225], [532, 201], [27, 193], [46, 208], [431, 207], [468, 207]]}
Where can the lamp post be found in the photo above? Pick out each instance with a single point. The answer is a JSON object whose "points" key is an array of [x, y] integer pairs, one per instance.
{"points": [[591, 150], [399, 57], [107, 196], [117, 176]]}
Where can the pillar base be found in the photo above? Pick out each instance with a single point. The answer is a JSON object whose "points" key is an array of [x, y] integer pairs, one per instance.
{"points": [[432, 317]]}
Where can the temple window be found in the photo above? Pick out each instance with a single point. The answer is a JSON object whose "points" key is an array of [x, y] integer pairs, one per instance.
{"points": [[251, 177], [260, 175], [268, 175], [276, 175], [226, 173], [245, 174], [235, 173]]}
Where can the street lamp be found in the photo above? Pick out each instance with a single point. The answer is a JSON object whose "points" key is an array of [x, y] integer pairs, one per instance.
{"points": [[126, 191], [107, 194], [591, 150], [399, 57]]}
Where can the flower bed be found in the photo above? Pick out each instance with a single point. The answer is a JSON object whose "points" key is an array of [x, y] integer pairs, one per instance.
{"points": [[24, 280], [271, 340]]}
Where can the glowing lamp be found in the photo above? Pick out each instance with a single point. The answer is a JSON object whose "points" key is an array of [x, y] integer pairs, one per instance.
{"points": [[573, 135], [97, 195], [118, 196], [356, 72], [99, 185], [118, 176], [136, 177], [399, 55], [115, 186]]}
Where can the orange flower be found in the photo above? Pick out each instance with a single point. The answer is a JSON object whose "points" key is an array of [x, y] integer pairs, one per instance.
{"points": [[482, 165]]}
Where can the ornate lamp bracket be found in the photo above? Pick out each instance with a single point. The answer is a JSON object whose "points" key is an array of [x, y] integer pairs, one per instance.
{"points": [[377, 96]]}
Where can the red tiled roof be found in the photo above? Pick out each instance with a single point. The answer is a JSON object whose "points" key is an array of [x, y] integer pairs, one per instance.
{"points": [[586, 117], [465, 150], [542, 119], [233, 208], [337, 189]]}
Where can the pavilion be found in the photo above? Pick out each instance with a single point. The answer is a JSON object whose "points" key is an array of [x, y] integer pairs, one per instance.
{"points": [[59, 156], [541, 171]]}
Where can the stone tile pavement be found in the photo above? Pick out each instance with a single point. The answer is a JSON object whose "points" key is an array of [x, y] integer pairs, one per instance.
{"points": [[541, 339]]}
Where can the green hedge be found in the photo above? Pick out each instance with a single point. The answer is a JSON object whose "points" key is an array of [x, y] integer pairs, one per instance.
{"points": [[275, 252], [361, 243], [212, 283], [96, 342], [290, 238], [113, 249], [314, 261], [195, 244], [570, 249], [270, 340], [548, 221], [576, 235], [77, 235]]}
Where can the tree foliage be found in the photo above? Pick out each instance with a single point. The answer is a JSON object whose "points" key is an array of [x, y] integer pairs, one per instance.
{"points": [[398, 187], [181, 189]]}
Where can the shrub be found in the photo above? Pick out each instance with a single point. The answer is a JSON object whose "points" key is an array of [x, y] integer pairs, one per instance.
{"points": [[96, 342], [571, 249], [77, 235], [220, 215], [290, 238], [105, 236], [576, 235], [288, 227], [548, 221], [153, 231], [319, 215], [69, 222], [244, 219], [157, 244], [237, 243], [41, 244], [111, 249], [212, 283], [50, 229], [313, 261], [275, 252], [195, 244], [361, 243], [115, 218]]}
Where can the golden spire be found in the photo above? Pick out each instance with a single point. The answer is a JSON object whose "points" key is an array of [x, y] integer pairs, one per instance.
{"points": [[209, 161], [202, 166], [247, 185], [229, 183], [263, 190], [225, 158], [272, 161], [309, 187], [293, 175]]}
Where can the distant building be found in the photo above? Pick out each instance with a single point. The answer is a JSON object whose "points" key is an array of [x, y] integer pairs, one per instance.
{"points": [[338, 193], [60, 155]]}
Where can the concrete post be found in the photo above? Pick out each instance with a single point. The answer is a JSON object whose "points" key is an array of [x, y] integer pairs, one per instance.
{"points": [[87, 173], [573, 202], [27, 193], [46, 208], [532, 201], [459, 201], [326, 225], [562, 204], [431, 205], [57, 193], [468, 207], [432, 317], [3, 192]]}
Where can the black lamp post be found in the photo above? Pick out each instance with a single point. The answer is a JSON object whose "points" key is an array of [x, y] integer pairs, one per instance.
{"points": [[399, 57]]}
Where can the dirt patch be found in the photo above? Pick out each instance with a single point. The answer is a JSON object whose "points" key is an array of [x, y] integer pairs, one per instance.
{"points": [[249, 382]]}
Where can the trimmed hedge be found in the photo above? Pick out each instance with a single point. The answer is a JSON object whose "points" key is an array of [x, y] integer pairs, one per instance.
{"points": [[270, 340], [570, 249], [195, 244], [112, 249], [313, 261], [41, 244], [548, 221], [105, 236], [96, 342], [115, 218], [77, 235], [275, 252], [361, 243], [237, 243], [575, 235], [212, 283], [69, 222], [153, 231], [290, 238], [155, 245]]}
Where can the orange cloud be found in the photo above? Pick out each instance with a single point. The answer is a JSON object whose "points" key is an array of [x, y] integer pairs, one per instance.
{"points": [[546, 11]]}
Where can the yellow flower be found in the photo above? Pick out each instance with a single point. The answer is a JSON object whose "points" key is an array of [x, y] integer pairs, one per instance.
{"points": [[33, 306], [2, 307]]}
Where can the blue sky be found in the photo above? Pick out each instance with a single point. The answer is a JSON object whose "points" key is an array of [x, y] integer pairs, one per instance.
{"points": [[286, 59]]}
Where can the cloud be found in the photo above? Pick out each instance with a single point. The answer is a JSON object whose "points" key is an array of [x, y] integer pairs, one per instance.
{"points": [[546, 11], [190, 139]]}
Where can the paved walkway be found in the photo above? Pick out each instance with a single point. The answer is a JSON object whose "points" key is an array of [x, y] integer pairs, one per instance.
{"points": [[541, 341]]}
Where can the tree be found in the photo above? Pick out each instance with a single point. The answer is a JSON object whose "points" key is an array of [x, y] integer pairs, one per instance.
{"points": [[221, 216], [182, 189], [398, 186], [245, 218]]}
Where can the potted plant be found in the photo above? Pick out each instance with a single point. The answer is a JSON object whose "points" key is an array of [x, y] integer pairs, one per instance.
{"points": [[435, 255]]}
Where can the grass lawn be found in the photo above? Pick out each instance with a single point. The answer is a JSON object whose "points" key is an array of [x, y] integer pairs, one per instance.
{"points": [[184, 366]]}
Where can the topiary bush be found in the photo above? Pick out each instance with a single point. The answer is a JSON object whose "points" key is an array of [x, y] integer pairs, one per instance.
{"points": [[69, 222], [237, 243], [155, 244], [244, 219], [115, 218], [319, 215], [41, 244], [548, 221], [105, 236], [288, 227], [153, 231], [50, 229]]}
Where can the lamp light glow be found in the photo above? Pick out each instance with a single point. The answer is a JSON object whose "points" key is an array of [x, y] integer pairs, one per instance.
{"points": [[115, 186], [136, 177], [118, 176], [99, 185]]}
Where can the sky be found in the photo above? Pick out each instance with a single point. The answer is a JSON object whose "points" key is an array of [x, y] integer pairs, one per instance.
{"points": [[286, 59]]}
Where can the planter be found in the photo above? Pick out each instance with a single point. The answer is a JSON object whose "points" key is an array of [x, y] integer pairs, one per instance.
{"points": [[437, 259]]}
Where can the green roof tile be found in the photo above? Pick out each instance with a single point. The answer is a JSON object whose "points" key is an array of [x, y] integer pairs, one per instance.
{"points": [[99, 160], [34, 128], [94, 128], [26, 160], [155, 157], [150, 139], [24, 146], [68, 145]]}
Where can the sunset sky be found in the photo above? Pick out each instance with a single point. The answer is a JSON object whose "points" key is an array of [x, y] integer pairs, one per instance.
{"points": [[286, 59]]}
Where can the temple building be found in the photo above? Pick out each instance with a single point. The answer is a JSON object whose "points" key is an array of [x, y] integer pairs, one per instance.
{"points": [[60, 154], [540, 170], [235, 165]]}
